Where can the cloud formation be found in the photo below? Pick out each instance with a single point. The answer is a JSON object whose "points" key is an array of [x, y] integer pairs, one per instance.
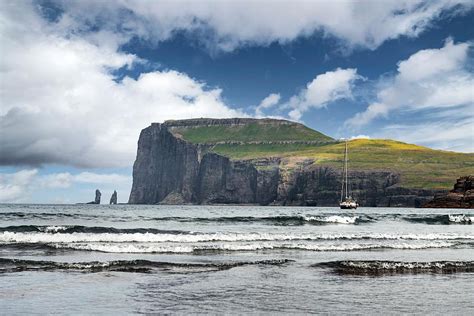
{"points": [[227, 25], [360, 137], [449, 134], [61, 102], [437, 85], [13, 185], [270, 101], [325, 88], [66, 179]]}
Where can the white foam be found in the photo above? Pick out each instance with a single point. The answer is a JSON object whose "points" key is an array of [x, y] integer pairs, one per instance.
{"points": [[389, 265], [39, 237], [461, 218], [352, 247], [333, 219], [179, 248], [54, 229], [125, 247]]}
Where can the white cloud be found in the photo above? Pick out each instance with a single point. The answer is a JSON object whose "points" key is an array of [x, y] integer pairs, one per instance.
{"points": [[270, 101], [227, 25], [373, 111], [325, 88], [444, 134], [436, 86], [66, 179], [57, 180], [13, 185], [431, 78], [90, 177], [361, 136], [61, 104], [433, 62]]}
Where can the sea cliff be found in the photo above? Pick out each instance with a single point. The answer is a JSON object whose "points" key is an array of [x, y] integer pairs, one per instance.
{"points": [[170, 169]]}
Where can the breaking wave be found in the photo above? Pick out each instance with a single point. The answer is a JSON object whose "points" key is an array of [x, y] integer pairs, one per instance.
{"points": [[270, 220], [396, 267], [19, 265], [336, 219], [85, 229], [225, 247], [441, 219], [276, 220], [56, 236], [281, 220], [44, 215], [348, 267]]}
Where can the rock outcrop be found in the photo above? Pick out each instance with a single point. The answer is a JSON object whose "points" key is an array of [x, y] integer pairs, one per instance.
{"points": [[461, 196], [97, 197], [113, 198], [170, 170]]}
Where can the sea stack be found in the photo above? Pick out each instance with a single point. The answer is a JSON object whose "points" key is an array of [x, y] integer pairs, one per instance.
{"points": [[97, 197], [113, 198], [461, 196]]}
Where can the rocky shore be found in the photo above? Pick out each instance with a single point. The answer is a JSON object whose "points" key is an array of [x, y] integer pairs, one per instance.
{"points": [[461, 196]]}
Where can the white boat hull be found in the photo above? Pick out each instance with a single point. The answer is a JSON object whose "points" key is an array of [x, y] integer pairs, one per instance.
{"points": [[348, 205]]}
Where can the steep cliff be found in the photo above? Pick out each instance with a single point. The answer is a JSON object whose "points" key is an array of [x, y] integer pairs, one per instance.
{"points": [[164, 165], [270, 162]]}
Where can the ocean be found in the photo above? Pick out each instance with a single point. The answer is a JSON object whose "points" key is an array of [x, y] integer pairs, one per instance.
{"points": [[133, 259]]}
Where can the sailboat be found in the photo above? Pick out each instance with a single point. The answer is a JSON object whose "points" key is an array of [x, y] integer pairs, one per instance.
{"points": [[347, 202]]}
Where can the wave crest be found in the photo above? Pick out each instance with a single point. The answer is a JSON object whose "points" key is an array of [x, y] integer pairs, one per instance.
{"points": [[41, 237], [396, 267], [19, 265], [446, 219], [226, 247]]}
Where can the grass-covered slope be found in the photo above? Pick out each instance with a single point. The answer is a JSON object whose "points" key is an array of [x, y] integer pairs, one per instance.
{"points": [[420, 167], [258, 131]]}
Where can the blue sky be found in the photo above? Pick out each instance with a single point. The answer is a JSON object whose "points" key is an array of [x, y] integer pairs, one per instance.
{"points": [[79, 80]]}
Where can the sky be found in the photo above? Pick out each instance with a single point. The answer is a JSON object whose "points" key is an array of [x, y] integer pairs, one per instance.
{"points": [[80, 79]]}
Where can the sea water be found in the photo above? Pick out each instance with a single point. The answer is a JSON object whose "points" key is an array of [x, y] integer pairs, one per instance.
{"points": [[122, 259]]}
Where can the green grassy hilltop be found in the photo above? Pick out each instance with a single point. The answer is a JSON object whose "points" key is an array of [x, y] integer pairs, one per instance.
{"points": [[419, 167], [260, 131]]}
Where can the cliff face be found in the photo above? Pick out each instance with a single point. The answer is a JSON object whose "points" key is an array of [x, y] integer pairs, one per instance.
{"points": [[171, 170], [461, 196], [164, 165]]}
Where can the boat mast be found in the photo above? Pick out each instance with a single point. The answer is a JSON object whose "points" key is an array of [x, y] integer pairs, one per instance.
{"points": [[345, 164], [344, 176]]}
